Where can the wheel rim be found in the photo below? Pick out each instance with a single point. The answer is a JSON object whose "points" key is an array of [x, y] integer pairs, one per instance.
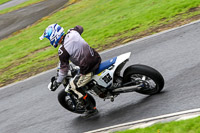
{"points": [[147, 83]]}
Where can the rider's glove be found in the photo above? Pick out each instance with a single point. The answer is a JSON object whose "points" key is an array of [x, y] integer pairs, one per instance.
{"points": [[53, 85]]}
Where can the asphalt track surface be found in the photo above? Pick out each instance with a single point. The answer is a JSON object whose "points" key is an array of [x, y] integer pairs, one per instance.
{"points": [[29, 106], [11, 4], [19, 19]]}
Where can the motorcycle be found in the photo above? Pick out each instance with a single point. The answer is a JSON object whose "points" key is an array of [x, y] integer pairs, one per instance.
{"points": [[107, 83]]}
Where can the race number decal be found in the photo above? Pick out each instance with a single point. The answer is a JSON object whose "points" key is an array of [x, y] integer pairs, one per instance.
{"points": [[107, 78]]}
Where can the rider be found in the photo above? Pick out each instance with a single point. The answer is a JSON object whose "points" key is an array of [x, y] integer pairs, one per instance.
{"points": [[74, 48]]}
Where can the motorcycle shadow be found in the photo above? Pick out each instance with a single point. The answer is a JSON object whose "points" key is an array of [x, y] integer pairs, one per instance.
{"points": [[120, 114]]}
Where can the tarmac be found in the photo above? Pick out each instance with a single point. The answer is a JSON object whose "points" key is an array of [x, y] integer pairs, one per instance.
{"points": [[21, 18], [24, 17], [11, 4], [183, 115]]}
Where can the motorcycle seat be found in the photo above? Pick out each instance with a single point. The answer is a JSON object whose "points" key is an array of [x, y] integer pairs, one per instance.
{"points": [[106, 64]]}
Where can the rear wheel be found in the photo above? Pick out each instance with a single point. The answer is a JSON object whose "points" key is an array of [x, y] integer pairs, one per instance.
{"points": [[151, 81], [69, 102]]}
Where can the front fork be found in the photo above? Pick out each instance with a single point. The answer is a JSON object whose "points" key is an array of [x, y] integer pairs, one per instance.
{"points": [[77, 106], [72, 99]]}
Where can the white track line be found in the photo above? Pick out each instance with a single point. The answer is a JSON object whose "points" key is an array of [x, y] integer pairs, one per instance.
{"points": [[147, 120]]}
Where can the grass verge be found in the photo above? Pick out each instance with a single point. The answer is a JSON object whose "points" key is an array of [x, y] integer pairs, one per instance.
{"points": [[186, 126], [4, 1], [106, 23], [24, 4]]}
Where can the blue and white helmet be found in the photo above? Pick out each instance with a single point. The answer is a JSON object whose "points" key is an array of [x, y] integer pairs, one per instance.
{"points": [[53, 32]]}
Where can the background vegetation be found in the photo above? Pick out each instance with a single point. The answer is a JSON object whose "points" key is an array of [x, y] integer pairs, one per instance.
{"points": [[24, 4], [186, 126], [106, 23], [4, 1]]}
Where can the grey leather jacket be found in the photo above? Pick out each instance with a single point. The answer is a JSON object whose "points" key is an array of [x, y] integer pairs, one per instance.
{"points": [[77, 50]]}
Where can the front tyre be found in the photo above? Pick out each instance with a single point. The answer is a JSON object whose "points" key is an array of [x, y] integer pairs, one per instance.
{"points": [[152, 82], [69, 102]]}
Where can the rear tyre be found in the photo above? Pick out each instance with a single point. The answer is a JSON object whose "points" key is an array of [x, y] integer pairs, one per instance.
{"points": [[152, 81], [70, 103]]}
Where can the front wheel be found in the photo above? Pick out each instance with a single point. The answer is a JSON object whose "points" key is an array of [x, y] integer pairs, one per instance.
{"points": [[151, 81], [69, 102]]}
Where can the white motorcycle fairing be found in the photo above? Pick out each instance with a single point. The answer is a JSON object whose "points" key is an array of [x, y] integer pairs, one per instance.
{"points": [[108, 82], [105, 73]]}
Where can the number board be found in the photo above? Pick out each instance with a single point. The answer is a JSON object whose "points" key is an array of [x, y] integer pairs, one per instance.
{"points": [[107, 78]]}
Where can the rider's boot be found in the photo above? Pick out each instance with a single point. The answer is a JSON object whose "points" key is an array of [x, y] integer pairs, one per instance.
{"points": [[91, 110], [89, 113], [81, 102]]}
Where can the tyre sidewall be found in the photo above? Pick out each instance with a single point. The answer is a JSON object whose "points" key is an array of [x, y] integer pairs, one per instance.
{"points": [[149, 72]]}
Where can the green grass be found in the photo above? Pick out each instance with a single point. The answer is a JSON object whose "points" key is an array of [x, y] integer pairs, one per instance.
{"points": [[24, 4], [104, 22], [4, 1], [186, 126]]}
